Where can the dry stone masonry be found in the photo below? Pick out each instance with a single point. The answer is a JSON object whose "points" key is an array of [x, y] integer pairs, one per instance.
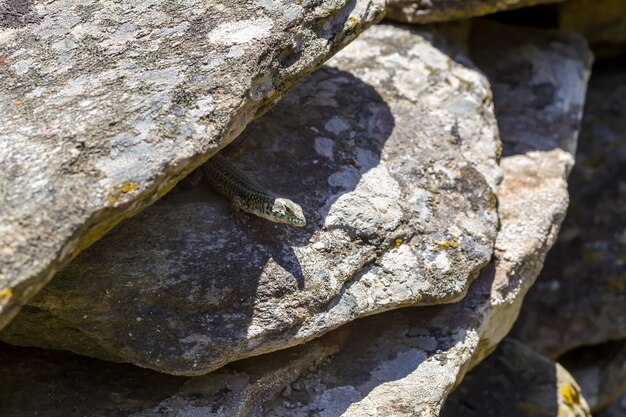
{"points": [[432, 162]]}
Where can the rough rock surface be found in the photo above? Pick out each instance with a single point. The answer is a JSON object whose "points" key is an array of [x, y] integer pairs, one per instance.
{"points": [[392, 151], [580, 298], [405, 362], [517, 382], [430, 11], [106, 105], [600, 370]]}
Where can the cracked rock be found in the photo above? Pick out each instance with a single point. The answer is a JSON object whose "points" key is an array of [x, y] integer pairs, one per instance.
{"points": [[391, 150], [107, 105]]}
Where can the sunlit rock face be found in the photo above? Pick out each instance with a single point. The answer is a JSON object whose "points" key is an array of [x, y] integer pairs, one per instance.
{"points": [[391, 150], [107, 105]]}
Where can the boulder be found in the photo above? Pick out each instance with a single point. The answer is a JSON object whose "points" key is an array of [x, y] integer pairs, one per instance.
{"points": [[517, 382], [431, 11], [405, 362], [580, 298], [107, 105], [392, 151]]}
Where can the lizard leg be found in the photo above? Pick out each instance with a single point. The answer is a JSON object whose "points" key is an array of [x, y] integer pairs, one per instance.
{"points": [[238, 211]]}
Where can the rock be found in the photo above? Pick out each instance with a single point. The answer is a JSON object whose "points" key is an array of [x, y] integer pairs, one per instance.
{"points": [[602, 22], [600, 370], [517, 382], [580, 298], [430, 11], [392, 152], [617, 409], [51, 383], [405, 362], [107, 105]]}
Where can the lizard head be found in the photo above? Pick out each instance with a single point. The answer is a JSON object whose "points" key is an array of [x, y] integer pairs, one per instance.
{"points": [[286, 211]]}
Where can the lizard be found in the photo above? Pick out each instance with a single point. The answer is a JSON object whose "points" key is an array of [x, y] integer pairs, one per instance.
{"points": [[246, 194]]}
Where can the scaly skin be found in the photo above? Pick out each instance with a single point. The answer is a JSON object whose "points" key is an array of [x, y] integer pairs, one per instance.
{"points": [[248, 195]]}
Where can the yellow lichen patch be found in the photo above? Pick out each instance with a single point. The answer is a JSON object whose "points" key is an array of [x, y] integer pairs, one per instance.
{"points": [[493, 199], [569, 395], [18, 102], [124, 188], [446, 244], [5, 296], [128, 187], [397, 243], [353, 22]]}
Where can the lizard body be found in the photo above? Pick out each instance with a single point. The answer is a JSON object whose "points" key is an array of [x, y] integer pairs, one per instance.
{"points": [[248, 195]]}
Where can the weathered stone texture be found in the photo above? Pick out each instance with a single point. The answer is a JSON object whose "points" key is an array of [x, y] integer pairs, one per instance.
{"points": [[395, 163], [405, 362], [430, 11], [580, 298], [106, 105]]}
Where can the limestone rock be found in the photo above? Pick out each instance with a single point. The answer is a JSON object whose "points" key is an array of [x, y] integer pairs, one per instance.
{"points": [[430, 11], [405, 362], [107, 105], [392, 151], [580, 298], [517, 382]]}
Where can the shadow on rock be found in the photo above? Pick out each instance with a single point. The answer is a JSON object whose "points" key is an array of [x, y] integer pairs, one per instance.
{"points": [[201, 281]]}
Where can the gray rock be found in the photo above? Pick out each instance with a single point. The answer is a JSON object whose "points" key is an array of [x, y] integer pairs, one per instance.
{"points": [[517, 382], [617, 409], [580, 298], [405, 362], [51, 383], [391, 151], [430, 11], [600, 370], [107, 105]]}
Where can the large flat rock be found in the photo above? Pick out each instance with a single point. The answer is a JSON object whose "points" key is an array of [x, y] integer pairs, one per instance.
{"points": [[580, 298], [431, 11], [392, 151], [107, 105], [405, 362]]}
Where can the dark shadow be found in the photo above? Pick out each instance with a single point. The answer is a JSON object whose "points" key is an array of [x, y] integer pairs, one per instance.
{"points": [[183, 276], [513, 382], [52, 383]]}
